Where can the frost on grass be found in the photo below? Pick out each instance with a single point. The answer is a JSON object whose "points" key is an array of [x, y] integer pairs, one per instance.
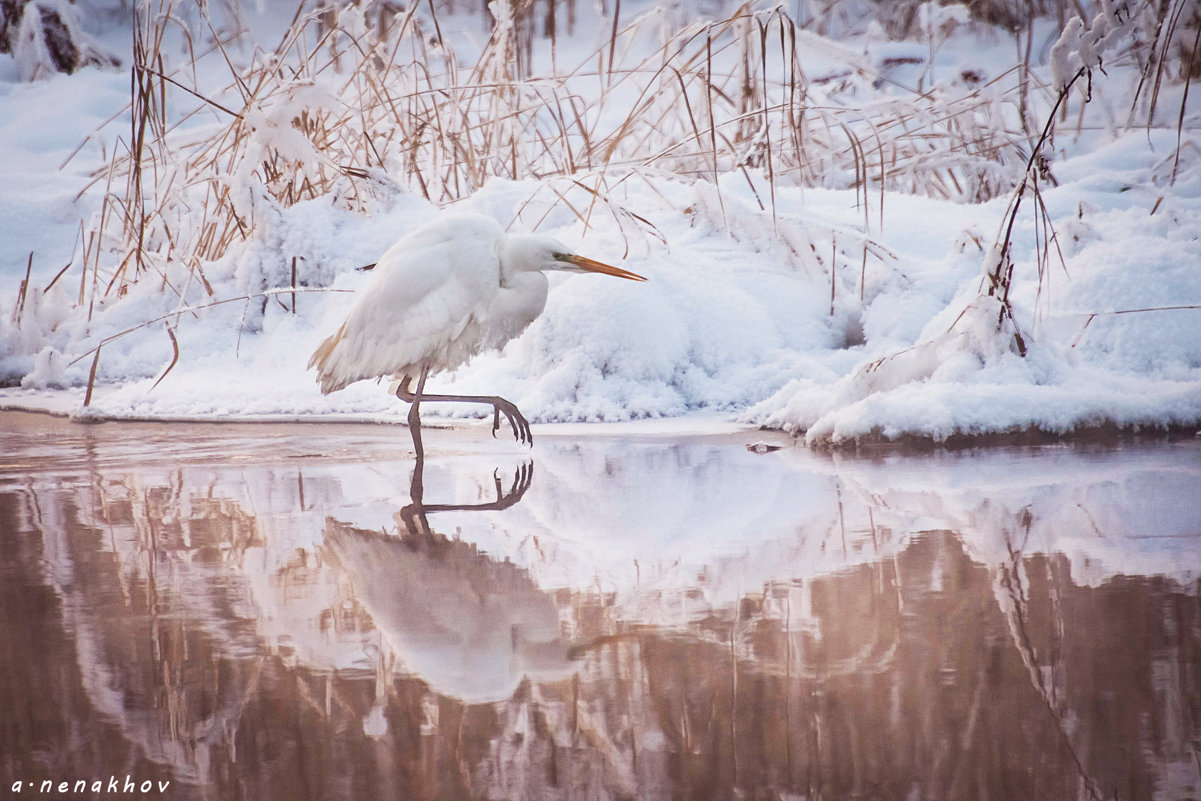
{"points": [[807, 197], [47, 36], [1112, 333], [979, 374]]}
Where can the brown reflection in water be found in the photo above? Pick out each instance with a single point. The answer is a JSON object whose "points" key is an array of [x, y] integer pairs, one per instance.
{"points": [[874, 683], [921, 675]]}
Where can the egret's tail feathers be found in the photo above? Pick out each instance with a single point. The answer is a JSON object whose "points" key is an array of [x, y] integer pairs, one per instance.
{"points": [[328, 375]]}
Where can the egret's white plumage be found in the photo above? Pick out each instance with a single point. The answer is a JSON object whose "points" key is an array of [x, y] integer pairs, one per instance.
{"points": [[449, 290]]}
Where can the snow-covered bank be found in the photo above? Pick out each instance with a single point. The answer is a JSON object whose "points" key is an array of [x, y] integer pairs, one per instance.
{"points": [[823, 310]]}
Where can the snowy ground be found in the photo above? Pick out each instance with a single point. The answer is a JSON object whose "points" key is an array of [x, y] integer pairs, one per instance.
{"points": [[741, 319]]}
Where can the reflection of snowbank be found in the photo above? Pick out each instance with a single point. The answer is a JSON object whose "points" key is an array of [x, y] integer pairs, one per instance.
{"points": [[652, 519], [660, 565], [673, 530], [1125, 510], [669, 530], [676, 529]]}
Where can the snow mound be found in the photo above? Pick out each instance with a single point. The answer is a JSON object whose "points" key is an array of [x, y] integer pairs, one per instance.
{"points": [[833, 309]]}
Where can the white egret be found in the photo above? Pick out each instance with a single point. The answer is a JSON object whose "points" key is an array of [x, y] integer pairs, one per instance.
{"points": [[449, 290]]}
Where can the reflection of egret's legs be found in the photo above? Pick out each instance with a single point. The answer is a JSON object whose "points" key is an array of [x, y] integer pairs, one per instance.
{"points": [[521, 482], [414, 515], [414, 519]]}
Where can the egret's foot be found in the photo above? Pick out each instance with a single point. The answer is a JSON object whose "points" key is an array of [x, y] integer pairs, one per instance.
{"points": [[517, 421], [521, 482]]}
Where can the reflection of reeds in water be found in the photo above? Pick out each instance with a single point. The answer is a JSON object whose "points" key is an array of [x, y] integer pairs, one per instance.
{"points": [[922, 670]]}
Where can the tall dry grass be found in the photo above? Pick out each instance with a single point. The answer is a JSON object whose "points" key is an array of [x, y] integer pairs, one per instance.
{"points": [[356, 102], [352, 105]]}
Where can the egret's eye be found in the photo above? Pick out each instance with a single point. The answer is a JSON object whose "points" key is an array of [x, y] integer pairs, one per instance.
{"points": [[561, 257]]}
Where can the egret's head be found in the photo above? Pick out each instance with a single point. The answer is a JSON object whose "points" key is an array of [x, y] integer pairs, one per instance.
{"points": [[545, 253], [582, 264]]}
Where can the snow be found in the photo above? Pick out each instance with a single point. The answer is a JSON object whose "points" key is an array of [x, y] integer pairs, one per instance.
{"points": [[742, 319]]}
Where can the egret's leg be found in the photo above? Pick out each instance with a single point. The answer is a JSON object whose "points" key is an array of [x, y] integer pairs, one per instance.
{"points": [[418, 396], [520, 426], [414, 399]]}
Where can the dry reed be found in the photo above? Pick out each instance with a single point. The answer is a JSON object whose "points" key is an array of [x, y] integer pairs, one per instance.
{"points": [[354, 104]]}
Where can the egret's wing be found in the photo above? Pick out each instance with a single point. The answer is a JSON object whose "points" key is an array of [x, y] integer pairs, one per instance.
{"points": [[421, 297]]}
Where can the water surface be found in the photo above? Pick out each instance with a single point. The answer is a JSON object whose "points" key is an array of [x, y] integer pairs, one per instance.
{"points": [[265, 612]]}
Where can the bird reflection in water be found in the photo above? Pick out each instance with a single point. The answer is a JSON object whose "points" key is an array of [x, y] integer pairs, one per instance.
{"points": [[413, 516], [470, 626]]}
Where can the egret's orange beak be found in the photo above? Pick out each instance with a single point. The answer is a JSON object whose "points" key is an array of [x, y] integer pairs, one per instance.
{"points": [[592, 266]]}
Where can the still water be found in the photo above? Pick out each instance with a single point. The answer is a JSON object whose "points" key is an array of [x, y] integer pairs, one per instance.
{"points": [[260, 612]]}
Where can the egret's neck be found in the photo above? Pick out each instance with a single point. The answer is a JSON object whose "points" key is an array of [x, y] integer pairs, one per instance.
{"points": [[524, 255]]}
